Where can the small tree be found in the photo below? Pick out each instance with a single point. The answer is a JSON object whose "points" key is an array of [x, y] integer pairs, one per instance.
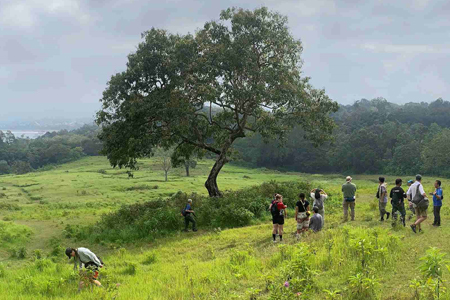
{"points": [[166, 162], [245, 67]]}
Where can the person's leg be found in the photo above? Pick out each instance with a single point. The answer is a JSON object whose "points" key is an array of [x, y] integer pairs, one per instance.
{"points": [[345, 208], [435, 215], [194, 224], [322, 213], [186, 223], [280, 232], [402, 214], [438, 208], [381, 210], [274, 231], [352, 208]]}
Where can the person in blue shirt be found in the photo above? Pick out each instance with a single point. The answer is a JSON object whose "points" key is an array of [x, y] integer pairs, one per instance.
{"points": [[188, 217], [437, 203]]}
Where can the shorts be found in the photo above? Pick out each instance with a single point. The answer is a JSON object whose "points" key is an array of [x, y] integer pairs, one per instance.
{"points": [[279, 221], [303, 224], [421, 212]]}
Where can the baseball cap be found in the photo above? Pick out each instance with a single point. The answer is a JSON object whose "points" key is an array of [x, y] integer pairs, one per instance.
{"points": [[410, 181], [69, 252], [348, 178]]}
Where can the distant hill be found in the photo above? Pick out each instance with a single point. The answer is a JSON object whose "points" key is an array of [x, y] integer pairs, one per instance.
{"points": [[45, 124]]}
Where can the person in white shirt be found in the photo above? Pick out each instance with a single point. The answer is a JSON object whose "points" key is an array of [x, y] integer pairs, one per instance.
{"points": [[84, 256], [319, 196], [421, 213]]}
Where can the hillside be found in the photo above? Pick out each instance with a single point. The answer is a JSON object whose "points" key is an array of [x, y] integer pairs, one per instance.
{"points": [[240, 263]]}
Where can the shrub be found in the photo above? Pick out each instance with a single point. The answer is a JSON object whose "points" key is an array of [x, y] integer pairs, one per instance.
{"points": [[150, 259], [2, 271], [130, 268]]}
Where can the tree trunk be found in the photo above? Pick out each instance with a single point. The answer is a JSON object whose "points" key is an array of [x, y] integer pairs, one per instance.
{"points": [[165, 173], [186, 165], [211, 182]]}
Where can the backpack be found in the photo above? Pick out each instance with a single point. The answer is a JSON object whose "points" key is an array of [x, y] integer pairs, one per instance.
{"points": [[419, 200], [183, 212], [274, 209]]}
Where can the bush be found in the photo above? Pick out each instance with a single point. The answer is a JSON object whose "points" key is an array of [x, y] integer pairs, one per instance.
{"points": [[162, 217], [150, 259]]}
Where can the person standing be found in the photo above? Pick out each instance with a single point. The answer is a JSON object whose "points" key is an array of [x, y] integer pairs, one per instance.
{"points": [[421, 212], [382, 198], [397, 196], [349, 191], [438, 195], [188, 216], [410, 205], [319, 196], [278, 210], [302, 214]]}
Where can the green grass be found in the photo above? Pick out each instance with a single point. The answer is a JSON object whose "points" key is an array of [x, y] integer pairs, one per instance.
{"points": [[239, 263]]}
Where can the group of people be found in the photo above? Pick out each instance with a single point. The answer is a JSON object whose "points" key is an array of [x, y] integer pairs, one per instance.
{"points": [[417, 201], [302, 213]]}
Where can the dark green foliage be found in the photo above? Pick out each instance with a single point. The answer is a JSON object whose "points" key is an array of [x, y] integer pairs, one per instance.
{"points": [[371, 137], [162, 217], [246, 66]]}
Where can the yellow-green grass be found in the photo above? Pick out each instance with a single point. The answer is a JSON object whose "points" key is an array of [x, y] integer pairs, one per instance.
{"points": [[201, 265]]}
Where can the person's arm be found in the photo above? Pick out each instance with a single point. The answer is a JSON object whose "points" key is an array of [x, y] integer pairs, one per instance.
{"points": [[285, 211], [325, 194], [422, 191], [438, 194]]}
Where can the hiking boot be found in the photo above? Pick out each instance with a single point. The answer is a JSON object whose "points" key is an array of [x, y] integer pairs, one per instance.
{"points": [[420, 230], [387, 215], [413, 228], [382, 220], [274, 241], [404, 222]]}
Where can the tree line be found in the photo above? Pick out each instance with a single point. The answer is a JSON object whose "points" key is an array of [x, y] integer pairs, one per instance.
{"points": [[20, 155], [371, 137]]}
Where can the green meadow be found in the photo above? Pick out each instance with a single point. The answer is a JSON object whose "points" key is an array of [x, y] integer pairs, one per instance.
{"points": [[364, 259]]}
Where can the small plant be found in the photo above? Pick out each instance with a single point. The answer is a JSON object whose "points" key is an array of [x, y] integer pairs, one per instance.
{"points": [[22, 253], [362, 287], [150, 259], [433, 263], [38, 254], [2, 271], [333, 295], [130, 268]]}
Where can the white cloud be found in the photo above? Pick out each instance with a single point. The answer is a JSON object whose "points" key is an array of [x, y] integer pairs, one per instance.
{"points": [[18, 15], [408, 49]]}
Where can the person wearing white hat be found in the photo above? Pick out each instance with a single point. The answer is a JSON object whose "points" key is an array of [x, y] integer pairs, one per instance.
{"points": [[349, 191]]}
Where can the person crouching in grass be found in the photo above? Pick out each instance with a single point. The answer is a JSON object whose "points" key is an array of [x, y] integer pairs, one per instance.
{"points": [[302, 214], [84, 256], [438, 195], [316, 222]]}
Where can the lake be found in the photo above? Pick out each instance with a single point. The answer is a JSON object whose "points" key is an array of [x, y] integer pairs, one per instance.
{"points": [[32, 134]]}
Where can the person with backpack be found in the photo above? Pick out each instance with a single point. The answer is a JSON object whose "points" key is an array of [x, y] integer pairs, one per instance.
{"points": [[420, 203], [319, 196], [188, 214], [349, 191], [88, 259], [382, 198], [397, 196], [302, 214], [438, 196], [278, 210]]}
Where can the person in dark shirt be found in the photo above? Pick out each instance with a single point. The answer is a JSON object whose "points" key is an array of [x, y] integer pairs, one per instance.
{"points": [[397, 196], [188, 218], [302, 214]]}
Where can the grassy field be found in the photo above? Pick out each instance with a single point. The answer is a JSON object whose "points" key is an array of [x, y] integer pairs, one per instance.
{"points": [[364, 259]]}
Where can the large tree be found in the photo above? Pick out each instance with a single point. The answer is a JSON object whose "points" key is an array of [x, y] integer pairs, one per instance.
{"points": [[236, 76]]}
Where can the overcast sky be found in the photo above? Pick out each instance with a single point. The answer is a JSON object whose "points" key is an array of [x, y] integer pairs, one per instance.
{"points": [[57, 55]]}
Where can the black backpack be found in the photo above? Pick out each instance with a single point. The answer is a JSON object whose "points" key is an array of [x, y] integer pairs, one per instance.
{"points": [[274, 209], [183, 212]]}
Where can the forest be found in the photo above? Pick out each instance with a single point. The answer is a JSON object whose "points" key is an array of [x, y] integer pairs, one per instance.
{"points": [[370, 137], [22, 155]]}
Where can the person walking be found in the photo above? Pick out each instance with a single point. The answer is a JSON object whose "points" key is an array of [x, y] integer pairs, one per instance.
{"points": [[382, 198], [316, 222], [410, 204], [88, 259], [397, 196], [417, 194], [278, 210], [349, 191], [438, 195], [302, 214], [189, 214], [319, 196]]}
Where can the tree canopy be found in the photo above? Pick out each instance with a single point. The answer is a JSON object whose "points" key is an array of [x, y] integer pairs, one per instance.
{"points": [[246, 66]]}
